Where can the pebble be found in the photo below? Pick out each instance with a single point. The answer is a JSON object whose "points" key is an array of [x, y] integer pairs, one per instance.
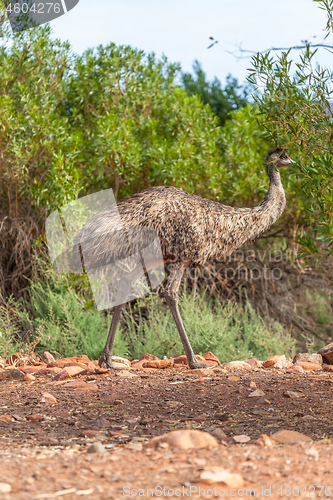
{"points": [[5, 418], [47, 357], [327, 353], [89, 433], [5, 488], [220, 475], [35, 417], [256, 394], [12, 374], [185, 440], [100, 422], [265, 440], [307, 366], [293, 394], [241, 438], [277, 361], [237, 365], [96, 448], [285, 436], [48, 398]]}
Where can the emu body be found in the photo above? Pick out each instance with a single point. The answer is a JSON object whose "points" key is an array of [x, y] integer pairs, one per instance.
{"points": [[191, 230]]}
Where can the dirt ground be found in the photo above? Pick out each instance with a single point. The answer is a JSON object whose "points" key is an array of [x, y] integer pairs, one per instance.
{"points": [[47, 457]]}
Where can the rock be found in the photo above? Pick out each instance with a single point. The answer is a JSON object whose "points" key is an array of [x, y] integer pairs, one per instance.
{"points": [[286, 436], [185, 440], [181, 360], [300, 356], [28, 377], [45, 372], [241, 438], [89, 433], [75, 359], [6, 418], [47, 357], [314, 358], [219, 435], [307, 366], [18, 418], [328, 368], [73, 370], [148, 357], [13, 374], [265, 440], [62, 414], [233, 378], [35, 417], [211, 358], [48, 398], [74, 384], [121, 366], [96, 448], [254, 362], [202, 372], [327, 353], [252, 384], [256, 394], [5, 488], [277, 361], [31, 369], [123, 361], [159, 364], [308, 417], [214, 475], [312, 452], [295, 369], [62, 375], [293, 395], [237, 365]]}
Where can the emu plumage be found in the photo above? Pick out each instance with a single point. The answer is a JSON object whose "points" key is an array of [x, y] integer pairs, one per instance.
{"points": [[191, 230]]}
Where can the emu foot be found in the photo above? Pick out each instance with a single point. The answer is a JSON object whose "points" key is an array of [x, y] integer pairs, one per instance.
{"points": [[107, 360], [194, 365]]}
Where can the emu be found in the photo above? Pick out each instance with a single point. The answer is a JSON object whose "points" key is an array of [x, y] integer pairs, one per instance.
{"points": [[190, 228]]}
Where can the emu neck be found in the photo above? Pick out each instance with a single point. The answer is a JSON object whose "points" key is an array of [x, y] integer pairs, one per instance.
{"points": [[274, 176], [270, 209]]}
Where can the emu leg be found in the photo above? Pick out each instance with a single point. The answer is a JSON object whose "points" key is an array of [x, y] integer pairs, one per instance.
{"points": [[106, 356], [171, 296], [125, 287]]}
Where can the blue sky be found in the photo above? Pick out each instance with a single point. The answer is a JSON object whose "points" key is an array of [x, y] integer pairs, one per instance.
{"points": [[180, 29]]}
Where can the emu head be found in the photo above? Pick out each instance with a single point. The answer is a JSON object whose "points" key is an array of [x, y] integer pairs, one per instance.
{"points": [[278, 157]]}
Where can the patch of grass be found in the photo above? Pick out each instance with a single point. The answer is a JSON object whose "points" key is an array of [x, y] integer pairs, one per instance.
{"points": [[231, 332], [60, 314], [66, 322]]}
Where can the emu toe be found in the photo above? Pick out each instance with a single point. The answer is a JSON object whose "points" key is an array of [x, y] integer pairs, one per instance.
{"points": [[194, 366], [107, 360]]}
